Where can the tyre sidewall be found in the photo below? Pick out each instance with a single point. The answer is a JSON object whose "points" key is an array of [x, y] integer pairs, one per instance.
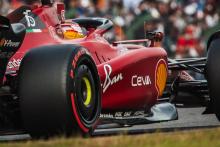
{"points": [[213, 74]]}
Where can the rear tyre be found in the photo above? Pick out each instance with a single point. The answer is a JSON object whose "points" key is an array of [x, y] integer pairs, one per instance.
{"points": [[213, 75], [59, 90]]}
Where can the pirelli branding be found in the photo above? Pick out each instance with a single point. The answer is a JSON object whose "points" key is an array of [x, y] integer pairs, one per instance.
{"points": [[9, 43]]}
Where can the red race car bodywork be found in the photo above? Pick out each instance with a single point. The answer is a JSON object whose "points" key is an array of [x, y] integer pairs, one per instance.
{"points": [[63, 76], [132, 77]]}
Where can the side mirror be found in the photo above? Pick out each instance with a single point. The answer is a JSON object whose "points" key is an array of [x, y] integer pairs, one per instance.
{"points": [[61, 12], [4, 23], [155, 38]]}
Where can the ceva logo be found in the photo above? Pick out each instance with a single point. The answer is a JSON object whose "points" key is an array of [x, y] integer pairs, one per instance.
{"points": [[140, 81]]}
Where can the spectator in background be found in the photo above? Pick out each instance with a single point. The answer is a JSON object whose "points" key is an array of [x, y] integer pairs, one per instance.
{"points": [[211, 15], [131, 4], [186, 23], [188, 44], [180, 20], [4, 7], [14, 4], [76, 8], [32, 2], [136, 28]]}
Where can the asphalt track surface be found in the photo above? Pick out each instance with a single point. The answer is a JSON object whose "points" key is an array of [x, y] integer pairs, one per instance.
{"points": [[189, 118]]}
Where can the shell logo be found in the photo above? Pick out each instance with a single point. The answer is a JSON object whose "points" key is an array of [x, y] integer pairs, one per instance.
{"points": [[161, 76]]}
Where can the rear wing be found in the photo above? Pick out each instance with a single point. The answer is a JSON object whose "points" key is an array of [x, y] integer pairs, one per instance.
{"points": [[155, 39]]}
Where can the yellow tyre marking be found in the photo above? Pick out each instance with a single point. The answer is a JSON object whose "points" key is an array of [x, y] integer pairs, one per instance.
{"points": [[89, 91]]}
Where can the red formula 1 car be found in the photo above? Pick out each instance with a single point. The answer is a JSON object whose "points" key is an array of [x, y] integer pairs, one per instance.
{"points": [[62, 76]]}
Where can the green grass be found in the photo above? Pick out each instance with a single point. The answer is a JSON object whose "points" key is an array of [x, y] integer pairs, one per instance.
{"points": [[196, 138]]}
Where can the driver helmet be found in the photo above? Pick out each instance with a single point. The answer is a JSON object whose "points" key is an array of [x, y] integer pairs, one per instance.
{"points": [[72, 31]]}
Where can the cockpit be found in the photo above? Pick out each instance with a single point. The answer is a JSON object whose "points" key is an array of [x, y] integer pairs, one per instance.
{"points": [[65, 29], [71, 31]]}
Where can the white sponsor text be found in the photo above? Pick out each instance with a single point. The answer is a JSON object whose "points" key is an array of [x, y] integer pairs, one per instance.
{"points": [[108, 80], [140, 81]]}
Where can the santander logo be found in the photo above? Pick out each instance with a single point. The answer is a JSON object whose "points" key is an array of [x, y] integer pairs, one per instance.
{"points": [[109, 81]]}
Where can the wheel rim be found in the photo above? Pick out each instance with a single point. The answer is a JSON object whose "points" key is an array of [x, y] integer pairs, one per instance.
{"points": [[85, 95], [86, 91]]}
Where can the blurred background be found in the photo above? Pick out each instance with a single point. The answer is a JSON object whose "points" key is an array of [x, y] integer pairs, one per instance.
{"points": [[187, 24]]}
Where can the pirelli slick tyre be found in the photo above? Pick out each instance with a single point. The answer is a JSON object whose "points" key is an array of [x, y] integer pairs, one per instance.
{"points": [[59, 90], [213, 75]]}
